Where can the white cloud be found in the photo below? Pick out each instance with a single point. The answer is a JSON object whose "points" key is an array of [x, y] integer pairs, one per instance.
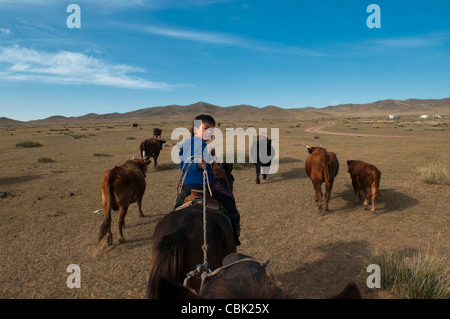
{"points": [[154, 4], [198, 36], [64, 67], [414, 42], [4, 31], [225, 39]]}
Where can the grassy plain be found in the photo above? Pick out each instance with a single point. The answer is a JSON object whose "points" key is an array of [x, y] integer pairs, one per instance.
{"points": [[47, 218]]}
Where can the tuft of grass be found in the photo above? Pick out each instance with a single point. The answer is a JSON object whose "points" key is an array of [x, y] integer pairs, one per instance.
{"points": [[28, 144], [434, 173], [45, 160], [420, 276], [316, 137]]}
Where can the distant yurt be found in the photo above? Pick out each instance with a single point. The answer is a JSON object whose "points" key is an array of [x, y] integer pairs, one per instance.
{"points": [[424, 116]]}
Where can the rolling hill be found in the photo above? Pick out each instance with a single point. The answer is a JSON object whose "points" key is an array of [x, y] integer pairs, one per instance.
{"points": [[248, 112]]}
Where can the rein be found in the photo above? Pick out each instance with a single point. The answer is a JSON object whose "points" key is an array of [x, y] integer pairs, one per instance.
{"points": [[201, 270]]}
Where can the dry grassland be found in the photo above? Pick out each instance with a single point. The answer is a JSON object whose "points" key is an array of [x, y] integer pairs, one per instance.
{"points": [[47, 218]]}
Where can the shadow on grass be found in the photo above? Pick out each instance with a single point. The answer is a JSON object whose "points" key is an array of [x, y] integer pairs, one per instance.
{"points": [[342, 263], [390, 200], [6, 181]]}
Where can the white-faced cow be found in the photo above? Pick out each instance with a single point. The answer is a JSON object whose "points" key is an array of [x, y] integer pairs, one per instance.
{"points": [[122, 186], [365, 176], [321, 167], [151, 148]]}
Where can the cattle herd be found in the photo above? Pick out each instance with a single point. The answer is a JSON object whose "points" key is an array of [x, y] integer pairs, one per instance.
{"points": [[322, 166], [125, 184]]}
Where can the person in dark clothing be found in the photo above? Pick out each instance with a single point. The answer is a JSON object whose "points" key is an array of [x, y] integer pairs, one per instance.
{"points": [[192, 165]]}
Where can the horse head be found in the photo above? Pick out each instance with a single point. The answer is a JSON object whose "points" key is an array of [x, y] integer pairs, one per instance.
{"points": [[222, 173]]}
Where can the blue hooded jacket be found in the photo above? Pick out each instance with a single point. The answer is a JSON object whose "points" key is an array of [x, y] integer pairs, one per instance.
{"points": [[194, 177]]}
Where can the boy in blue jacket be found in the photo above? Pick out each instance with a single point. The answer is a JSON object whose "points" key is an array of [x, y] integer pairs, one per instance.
{"points": [[192, 151]]}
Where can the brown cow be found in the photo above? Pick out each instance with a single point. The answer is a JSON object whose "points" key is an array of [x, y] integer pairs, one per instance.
{"points": [[157, 132], [122, 186], [151, 148], [365, 176], [321, 167]]}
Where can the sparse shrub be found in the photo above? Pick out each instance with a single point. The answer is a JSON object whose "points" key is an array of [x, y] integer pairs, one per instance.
{"points": [[58, 129], [420, 276], [28, 144], [101, 154], [78, 136], [316, 137], [131, 138], [408, 129], [45, 160], [434, 174]]}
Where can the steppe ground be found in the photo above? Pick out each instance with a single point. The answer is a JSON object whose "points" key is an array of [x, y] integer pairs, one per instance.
{"points": [[47, 218]]}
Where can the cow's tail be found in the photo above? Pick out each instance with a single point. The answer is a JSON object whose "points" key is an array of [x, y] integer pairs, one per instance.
{"points": [[108, 203], [326, 170], [168, 263], [376, 183]]}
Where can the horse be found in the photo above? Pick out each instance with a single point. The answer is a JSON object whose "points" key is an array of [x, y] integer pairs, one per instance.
{"points": [[240, 277], [177, 247]]}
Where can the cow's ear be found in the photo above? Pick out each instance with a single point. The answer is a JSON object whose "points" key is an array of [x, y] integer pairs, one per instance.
{"points": [[348, 162], [146, 162]]}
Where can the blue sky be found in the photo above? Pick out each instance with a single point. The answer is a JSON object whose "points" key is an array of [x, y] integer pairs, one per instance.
{"points": [[129, 55]]}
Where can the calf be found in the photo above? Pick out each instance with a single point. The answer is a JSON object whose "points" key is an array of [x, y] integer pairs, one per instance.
{"points": [[157, 132], [122, 186], [151, 148], [321, 167], [365, 176]]}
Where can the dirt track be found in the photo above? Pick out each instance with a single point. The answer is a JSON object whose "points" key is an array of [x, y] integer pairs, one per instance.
{"points": [[319, 129]]}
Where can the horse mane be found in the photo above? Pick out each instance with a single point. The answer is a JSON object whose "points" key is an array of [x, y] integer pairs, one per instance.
{"points": [[164, 265]]}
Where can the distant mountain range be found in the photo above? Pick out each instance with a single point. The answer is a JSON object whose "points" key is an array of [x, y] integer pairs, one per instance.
{"points": [[248, 112]]}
